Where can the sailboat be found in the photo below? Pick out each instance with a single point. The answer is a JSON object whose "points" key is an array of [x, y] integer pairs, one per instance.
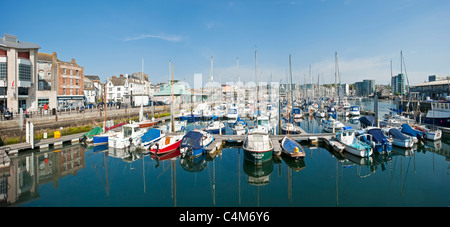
{"points": [[166, 144], [291, 147]]}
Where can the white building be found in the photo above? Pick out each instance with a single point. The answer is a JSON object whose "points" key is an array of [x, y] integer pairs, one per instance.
{"points": [[122, 88], [18, 66]]}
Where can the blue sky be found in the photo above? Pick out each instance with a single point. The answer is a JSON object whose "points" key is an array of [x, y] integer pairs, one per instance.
{"points": [[112, 37]]}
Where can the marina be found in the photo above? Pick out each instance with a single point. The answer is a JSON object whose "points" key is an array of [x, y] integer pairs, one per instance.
{"points": [[327, 175]]}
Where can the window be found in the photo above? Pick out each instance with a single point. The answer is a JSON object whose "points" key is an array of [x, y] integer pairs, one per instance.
{"points": [[24, 72], [77, 80], [64, 71], [64, 91], [77, 73], [71, 72], [3, 71]]}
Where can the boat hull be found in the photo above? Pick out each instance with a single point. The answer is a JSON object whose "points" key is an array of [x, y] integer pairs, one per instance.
{"points": [[258, 157], [100, 140], [403, 143], [166, 149], [358, 152]]}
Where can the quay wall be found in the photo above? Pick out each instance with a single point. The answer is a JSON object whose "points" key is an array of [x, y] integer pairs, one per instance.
{"points": [[11, 128]]}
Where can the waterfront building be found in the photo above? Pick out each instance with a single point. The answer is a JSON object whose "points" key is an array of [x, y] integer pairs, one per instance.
{"points": [[60, 83], [434, 89], [398, 84], [365, 88], [18, 65], [92, 89], [47, 85], [123, 88]]}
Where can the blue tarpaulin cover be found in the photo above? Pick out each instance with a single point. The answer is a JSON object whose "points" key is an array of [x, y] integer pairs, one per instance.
{"points": [[192, 139], [151, 135], [410, 131], [367, 121], [377, 135], [397, 134]]}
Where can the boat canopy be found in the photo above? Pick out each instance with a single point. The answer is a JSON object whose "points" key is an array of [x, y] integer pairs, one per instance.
{"points": [[397, 134], [347, 128], [377, 135], [192, 139], [410, 131], [151, 134], [367, 121], [95, 131]]}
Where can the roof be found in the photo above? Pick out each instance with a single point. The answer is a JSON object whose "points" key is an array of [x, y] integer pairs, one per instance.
{"points": [[433, 83], [179, 89], [118, 81], [92, 77], [45, 57], [12, 41]]}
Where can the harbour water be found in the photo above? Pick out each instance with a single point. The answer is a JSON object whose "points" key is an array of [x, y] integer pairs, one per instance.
{"points": [[83, 176]]}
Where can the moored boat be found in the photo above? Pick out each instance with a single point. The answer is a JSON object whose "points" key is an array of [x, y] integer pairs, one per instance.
{"points": [[352, 144], [429, 133], [215, 127], [130, 135], [166, 144], [258, 147], [292, 148], [398, 138], [151, 136], [195, 142]]}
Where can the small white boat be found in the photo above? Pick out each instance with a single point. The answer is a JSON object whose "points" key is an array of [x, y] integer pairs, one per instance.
{"points": [[352, 144], [290, 128], [429, 134], [398, 138], [232, 113], [215, 127], [131, 135], [354, 111], [331, 123]]}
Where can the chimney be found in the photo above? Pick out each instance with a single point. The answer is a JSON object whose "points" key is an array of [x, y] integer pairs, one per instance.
{"points": [[121, 75], [73, 61]]}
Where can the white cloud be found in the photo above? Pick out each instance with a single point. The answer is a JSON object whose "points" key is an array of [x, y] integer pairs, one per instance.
{"points": [[170, 38]]}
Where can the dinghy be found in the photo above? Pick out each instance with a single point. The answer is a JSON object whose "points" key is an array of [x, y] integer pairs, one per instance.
{"points": [[292, 148]]}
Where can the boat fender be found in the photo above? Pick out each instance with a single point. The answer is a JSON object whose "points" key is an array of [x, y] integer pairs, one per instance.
{"points": [[372, 144], [183, 128]]}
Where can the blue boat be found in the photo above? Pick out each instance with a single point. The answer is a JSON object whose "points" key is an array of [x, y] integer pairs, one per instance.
{"points": [[151, 136], [408, 130], [399, 139], [367, 121], [377, 140], [195, 142], [354, 111], [292, 148]]}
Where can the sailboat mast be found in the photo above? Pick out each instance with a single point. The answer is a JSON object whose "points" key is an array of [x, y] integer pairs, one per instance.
{"points": [[256, 78], [335, 77], [173, 99]]}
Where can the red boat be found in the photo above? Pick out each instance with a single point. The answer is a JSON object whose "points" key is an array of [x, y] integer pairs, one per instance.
{"points": [[148, 123], [166, 144]]}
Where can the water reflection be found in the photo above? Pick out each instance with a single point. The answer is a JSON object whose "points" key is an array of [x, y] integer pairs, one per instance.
{"points": [[135, 178]]}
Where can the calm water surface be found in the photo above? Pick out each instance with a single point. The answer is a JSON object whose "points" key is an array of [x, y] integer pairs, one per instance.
{"points": [[77, 175]]}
